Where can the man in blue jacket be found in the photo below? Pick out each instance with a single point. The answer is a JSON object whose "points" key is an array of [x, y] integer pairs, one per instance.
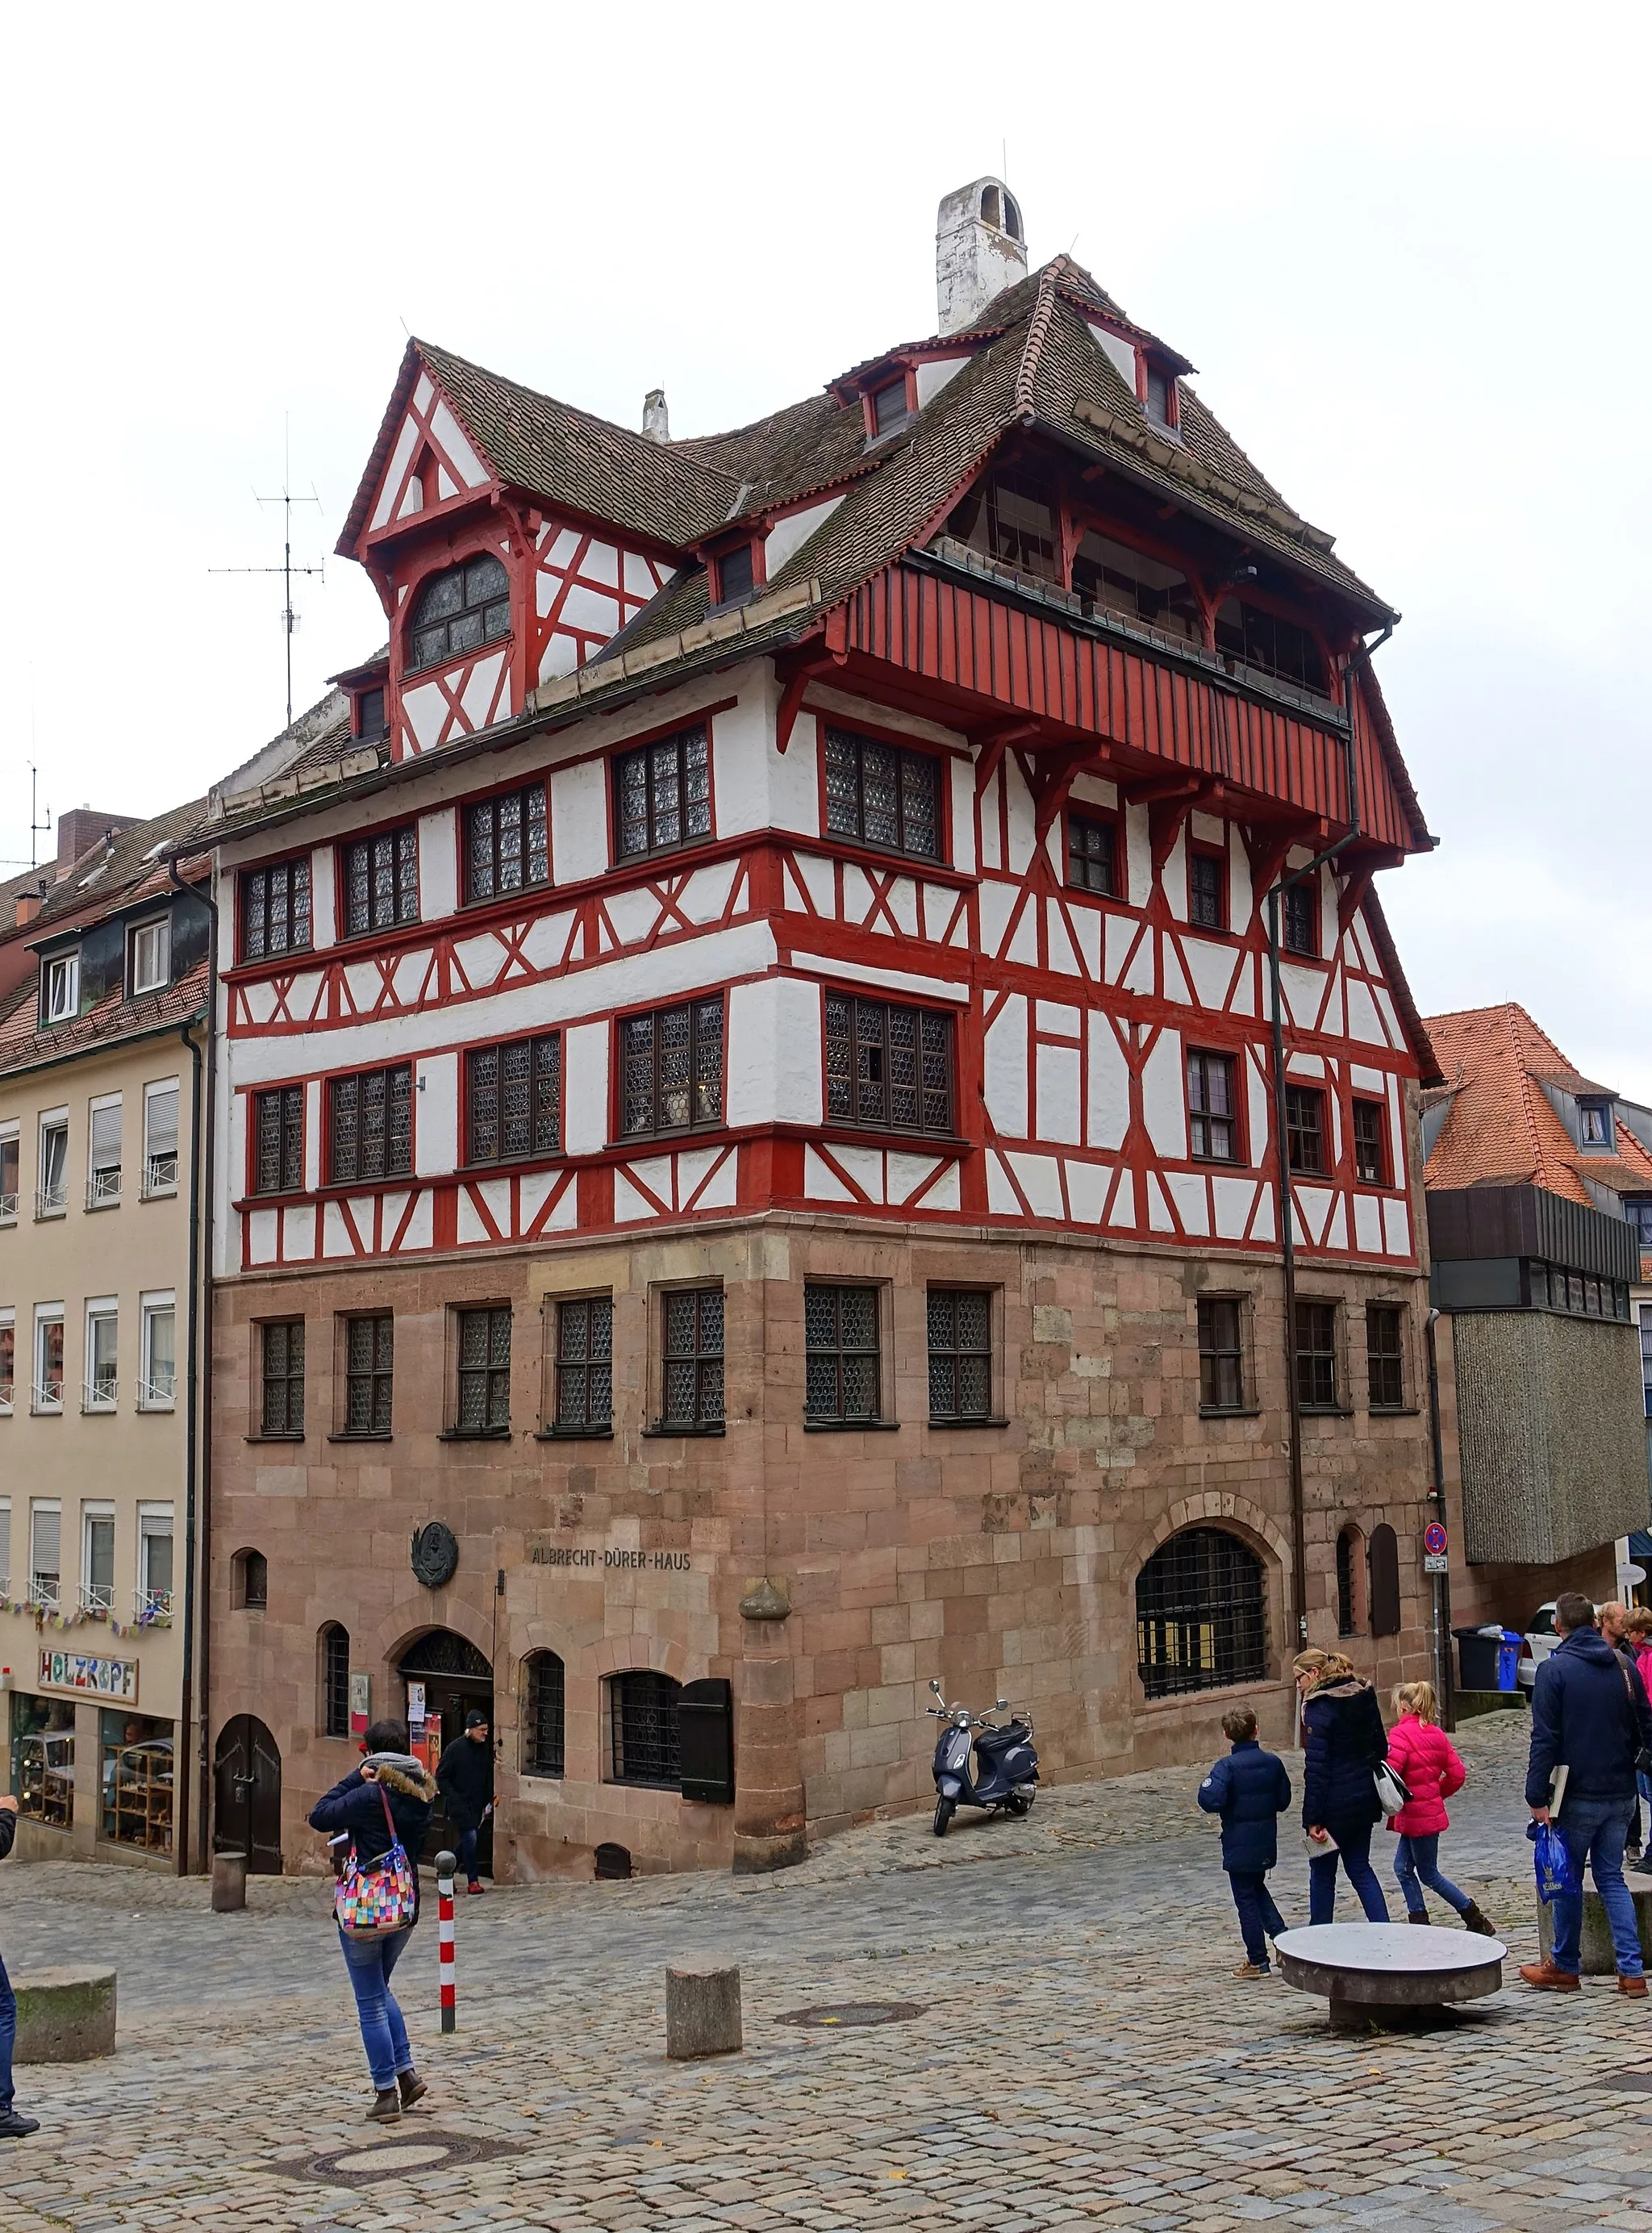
{"points": [[1590, 1715], [1250, 1790]]}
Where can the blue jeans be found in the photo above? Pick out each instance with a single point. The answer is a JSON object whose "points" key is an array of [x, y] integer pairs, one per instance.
{"points": [[1354, 1852], [1596, 1831], [1260, 1920], [1419, 1857], [8, 2037], [467, 1855], [384, 2035]]}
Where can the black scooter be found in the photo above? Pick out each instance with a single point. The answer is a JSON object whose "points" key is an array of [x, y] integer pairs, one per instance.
{"points": [[1006, 1779]]}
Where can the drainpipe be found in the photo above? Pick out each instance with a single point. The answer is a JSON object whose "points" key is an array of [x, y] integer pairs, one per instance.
{"points": [[1444, 1674]]}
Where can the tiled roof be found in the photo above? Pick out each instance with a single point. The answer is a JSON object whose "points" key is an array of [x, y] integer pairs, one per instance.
{"points": [[113, 876], [23, 1043], [1502, 1129]]}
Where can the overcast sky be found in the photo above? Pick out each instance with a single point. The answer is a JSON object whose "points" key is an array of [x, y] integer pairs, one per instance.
{"points": [[1406, 247]]}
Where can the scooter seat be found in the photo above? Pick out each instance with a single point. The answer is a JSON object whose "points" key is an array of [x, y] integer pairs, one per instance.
{"points": [[994, 1741]]}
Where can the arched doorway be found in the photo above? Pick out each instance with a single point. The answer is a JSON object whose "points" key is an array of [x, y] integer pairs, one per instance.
{"points": [[456, 1677], [246, 1780]]}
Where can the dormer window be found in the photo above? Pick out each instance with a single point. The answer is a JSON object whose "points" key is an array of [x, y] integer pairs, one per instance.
{"points": [[460, 611], [152, 947], [888, 406], [1594, 1124], [735, 574], [369, 715], [1161, 397], [62, 988]]}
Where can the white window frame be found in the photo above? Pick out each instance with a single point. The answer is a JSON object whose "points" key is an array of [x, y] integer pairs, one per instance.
{"points": [[38, 1507], [149, 1307], [48, 1204], [101, 1310], [12, 1136], [159, 931], [90, 1598], [9, 1389], [104, 1181], [46, 1314], [60, 991], [148, 1602], [152, 1092]]}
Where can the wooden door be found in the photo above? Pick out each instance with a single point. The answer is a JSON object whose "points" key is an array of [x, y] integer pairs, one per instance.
{"points": [[247, 1796]]}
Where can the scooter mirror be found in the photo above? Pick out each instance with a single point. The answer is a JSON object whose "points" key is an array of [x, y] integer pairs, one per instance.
{"points": [[934, 1686], [998, 1704]]}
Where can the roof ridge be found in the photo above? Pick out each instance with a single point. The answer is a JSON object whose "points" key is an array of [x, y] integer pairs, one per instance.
{"points": [[1037, 327]]}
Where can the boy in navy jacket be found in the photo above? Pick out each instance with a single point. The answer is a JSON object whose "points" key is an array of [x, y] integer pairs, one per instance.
{"points": [[1250, 1790]]}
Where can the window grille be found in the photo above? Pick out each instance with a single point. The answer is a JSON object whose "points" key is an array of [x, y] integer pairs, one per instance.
{"points": [[283, 1377], [692, 1374], [1221, 1357], [460, 611], [1092, 856], [1305, 1128], [961, 1353], [840, 1333], [513, 1099], [381, 880], [584, 1364], [335, 1681], [1385, 1355], [663, 793], [275, 908], [1210, 1107], [1201, 1615], [644, 1711], [369, 1373], [889, 1067], [369, 1135], [1370, 1156], [484, 1370], [882, 795], [1316, 1356], [507, 843], [154, 1593], [278, 1140], [671, 1073], [1299, 912], [543, 1738], [1207, 891]]}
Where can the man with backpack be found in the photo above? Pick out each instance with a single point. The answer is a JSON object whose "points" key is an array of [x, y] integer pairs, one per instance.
{"points": [[1590, 1715]]}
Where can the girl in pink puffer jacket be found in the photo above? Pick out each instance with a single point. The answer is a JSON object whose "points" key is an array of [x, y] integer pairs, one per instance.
{"points": [[1426, 1761]]}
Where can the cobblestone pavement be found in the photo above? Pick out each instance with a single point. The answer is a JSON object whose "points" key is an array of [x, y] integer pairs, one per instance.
{"points": [[1082, 2055]]}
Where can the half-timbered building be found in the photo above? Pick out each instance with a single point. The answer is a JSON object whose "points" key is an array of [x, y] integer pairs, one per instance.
{"points": [[752, 1131]]}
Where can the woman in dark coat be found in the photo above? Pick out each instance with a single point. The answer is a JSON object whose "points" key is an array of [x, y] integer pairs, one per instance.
{"points": [[1343, 1741], [357, 1804]]}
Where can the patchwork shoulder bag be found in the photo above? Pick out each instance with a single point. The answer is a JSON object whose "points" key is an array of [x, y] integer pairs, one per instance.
{"points": [[376, 1899]]}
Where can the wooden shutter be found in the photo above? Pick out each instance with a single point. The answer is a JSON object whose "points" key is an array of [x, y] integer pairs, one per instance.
{"points": [[1385, 1582]]}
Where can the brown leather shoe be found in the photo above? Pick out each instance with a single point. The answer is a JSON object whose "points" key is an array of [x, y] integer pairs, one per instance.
{"points": [[1548, 1979], [1634, 1987]]}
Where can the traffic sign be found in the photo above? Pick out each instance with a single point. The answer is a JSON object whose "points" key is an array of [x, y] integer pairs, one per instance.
{"points": [[1433, 1539]]}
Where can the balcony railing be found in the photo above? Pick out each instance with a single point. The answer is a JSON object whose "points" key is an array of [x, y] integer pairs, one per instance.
{"points": [[152, 1608], [99, 1395], [160, 1177], [5, 1395], [8, 1209], [157, 1395], [48, 1399], [51, 1201], [97, 1597], [103, 1189], [42, 1590]]}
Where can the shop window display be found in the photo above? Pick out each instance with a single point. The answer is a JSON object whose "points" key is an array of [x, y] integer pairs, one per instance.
{"points": [[42, 1759], [137, 1780]]}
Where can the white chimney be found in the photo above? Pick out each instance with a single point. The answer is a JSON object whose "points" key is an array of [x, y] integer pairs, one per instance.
{"points": [[656, 420], [979, 252]]}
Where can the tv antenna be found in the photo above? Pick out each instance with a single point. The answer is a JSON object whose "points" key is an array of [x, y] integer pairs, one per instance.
{"points": [[286, 570], [38, 823]]}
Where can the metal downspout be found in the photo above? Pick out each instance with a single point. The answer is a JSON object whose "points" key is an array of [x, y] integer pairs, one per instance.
{"points": [[1444, 1674]]}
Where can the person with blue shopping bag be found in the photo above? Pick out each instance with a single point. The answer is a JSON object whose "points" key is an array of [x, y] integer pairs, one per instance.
{"points": [[1590, 1715]]}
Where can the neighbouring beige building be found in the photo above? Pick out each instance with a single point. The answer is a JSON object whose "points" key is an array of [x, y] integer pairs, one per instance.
{"points": [[102, 1044]]}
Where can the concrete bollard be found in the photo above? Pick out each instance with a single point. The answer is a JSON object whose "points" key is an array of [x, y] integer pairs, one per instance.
{"points": [[64, 2015], [702, 2012], [1596, 1955], [229, 1883]]}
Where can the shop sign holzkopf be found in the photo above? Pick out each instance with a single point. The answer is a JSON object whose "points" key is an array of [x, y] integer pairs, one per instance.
{"points": [[102, 1678]]}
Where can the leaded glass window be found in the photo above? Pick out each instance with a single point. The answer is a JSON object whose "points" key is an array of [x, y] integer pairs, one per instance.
{"points": [[1301, 929], [888, 1066], [483, 1371], [1091, 852], [283, 1373], [882, 795], [691, 1368], [278, 1140], [507, 843], [1385, 1356], [1316, 1356], [382, 881], [644, 1710], [542, 1737], [663, 793], [460, 611], [369, 1363], [370, 1131], [585, 1364], [513, 1099], [841, 1336], [672, 1068], [275, 908], [961, 1353]]}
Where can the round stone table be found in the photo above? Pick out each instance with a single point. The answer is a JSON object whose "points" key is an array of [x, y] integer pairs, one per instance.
{"points": [[1382, 1972]]}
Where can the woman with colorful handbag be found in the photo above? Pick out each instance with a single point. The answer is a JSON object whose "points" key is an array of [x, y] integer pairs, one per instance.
{"points": [[385, 1806]]}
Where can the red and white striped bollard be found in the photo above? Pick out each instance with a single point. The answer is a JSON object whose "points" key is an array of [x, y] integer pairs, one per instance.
{"points": [[446, 1865]]}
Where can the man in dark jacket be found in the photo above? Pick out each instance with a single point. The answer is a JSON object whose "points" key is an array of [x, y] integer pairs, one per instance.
{"points": [[465, 1778], [1590, 1715], [12, 2126], [1250, 1790]]}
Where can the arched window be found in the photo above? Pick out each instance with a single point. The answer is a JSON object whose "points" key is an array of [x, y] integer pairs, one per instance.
{"points": [[1201, 1614], [335, 1681], [1350, 1582], [542, 1735], [1385, 1582], [643, 1718], [250, 1581], [460, 611]]}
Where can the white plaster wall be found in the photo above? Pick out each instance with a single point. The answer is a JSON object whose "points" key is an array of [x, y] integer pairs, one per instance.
{"points": [[794, 780], [312, 1126], [774, 1052], [437, 863], [1163, 1100], [1006, 1068], [1109, 1115], [1138, 852], [963, 782], [579, 822], [323, 903], [585, 1089], [435, 1115], [1058, 1092], [743, 761]]}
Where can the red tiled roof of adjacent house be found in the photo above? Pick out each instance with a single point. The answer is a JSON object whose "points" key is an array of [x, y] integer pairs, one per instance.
{"points": [[1503, 1130]]}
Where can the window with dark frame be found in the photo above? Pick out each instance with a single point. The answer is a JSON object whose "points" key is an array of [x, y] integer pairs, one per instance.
{"points": [[369, 714], [888, 406], [1212, 1130], [507, 843], [887, 1066], [1092, 849], [369, 1131], [671, 1069], [1201, 1615], [1221, 1354], [584, 1363], [691, 1362], [1371, 1143], [1208, 890], [841, 1337], [960, 1354], [1595, 1123], [460, 611], [369, 1373], [1298, 915], [253, 1575], [643, 1724], [281, 1370], [882, 795], [1347, 1551], [1385, 1356], [513, 1099], [545, 1718], [278, 1140], [381, 880], [735, 574], [662, 794], [335, 1681], [275, 908], [484, 1389], [1316, 1354], [1305, 1128], [1158, 397], [1636, 1208]]}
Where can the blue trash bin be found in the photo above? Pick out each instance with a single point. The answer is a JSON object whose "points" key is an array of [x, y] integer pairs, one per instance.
{"points": [[1508, 1659]]}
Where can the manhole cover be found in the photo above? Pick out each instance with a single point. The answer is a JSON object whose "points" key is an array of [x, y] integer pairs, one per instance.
{"points": [[362, 2162], [846, 2013]]}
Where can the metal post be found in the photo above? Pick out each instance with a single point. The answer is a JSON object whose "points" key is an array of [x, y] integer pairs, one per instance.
{"points": [[446, 1865]]}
